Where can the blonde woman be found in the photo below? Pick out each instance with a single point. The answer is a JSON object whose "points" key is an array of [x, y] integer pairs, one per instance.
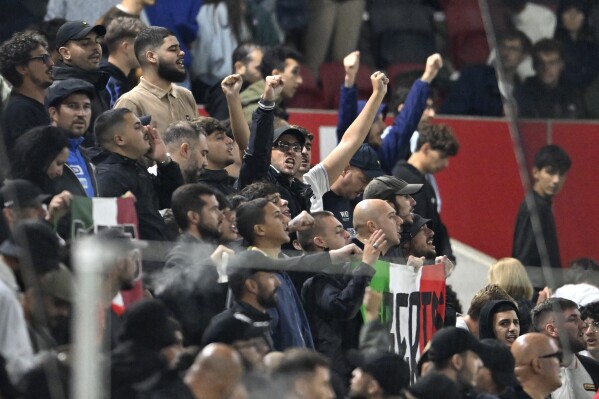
{"points": [[510, 274]]}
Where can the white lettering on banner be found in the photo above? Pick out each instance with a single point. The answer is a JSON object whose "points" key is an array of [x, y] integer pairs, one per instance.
{"points": [[418, 308]]}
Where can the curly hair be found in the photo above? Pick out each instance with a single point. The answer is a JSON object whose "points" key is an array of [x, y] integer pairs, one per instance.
{"points": [[17, 51], [439, 137]]}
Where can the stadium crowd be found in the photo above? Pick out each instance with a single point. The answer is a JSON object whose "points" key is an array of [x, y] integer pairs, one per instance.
{"points": [[243, 270]]}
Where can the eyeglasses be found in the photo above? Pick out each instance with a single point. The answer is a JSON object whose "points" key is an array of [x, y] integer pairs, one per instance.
{"points": [[285, 146], [594, 326], [45, 58], [559, 355]]}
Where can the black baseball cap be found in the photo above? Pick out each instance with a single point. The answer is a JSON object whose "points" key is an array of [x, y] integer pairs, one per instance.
{"points": [[388, 369], [435, 385], [34, 242], [385, 187], [497, 357], [408, 233], [61, 89], [449, 341], [247, 263], [232, 327], [22, 193], [75, 30], [367, 160], [290, 130]]}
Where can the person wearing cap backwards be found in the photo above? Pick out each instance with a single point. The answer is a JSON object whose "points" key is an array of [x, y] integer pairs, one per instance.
{"points": [[537, 359], [496, 377], [560, 319], [26, 64], [161, 59], [455, 353], [69, 105], [78, 44], [378, 375]]}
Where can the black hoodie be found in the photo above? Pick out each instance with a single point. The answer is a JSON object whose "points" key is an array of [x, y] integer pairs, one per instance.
{"points": [[485, 322]]}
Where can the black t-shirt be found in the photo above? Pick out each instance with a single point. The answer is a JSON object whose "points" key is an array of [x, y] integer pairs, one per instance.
{"points": [[21, 114], [342, 208]]}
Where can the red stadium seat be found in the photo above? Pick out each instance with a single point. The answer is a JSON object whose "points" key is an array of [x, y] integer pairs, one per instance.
{"points": [[467, 37], [308, 95], [332, 75]]}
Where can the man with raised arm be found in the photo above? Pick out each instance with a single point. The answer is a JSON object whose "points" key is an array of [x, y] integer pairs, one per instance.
{"points": [[394, 144]]}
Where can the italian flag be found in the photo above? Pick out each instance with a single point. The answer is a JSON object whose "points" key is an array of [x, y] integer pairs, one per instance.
{"points": [[90, 215], [413, 305]]}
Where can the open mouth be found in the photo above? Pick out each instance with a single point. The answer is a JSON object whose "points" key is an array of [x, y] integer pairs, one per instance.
{"points": [[180, 62], [511, 338], [290, 162]]}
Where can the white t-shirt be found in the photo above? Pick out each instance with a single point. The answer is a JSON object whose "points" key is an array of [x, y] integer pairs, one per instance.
{"points": [[318, 179], [576, 382]]}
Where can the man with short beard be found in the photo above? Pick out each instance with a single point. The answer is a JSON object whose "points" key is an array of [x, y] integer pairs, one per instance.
{"points": [[560, 319], [78, 44], [189, 284], [161, 59], [27, 65], [398, 193], [124, 143], [254, 286], [417, 239], [69, 105], [188, 147]]}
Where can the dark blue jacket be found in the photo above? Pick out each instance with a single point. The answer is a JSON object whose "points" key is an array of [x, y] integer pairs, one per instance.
{"points": [[180, 17], [396, 143], [475, 93]]}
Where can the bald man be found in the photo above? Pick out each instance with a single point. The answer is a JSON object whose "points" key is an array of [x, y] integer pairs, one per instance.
{"points": [[374, 214], [559, 319], [216, 374], [537, 365]]}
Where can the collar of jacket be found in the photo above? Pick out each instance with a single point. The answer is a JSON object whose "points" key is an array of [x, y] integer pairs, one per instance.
{"points": [[62, 71]]}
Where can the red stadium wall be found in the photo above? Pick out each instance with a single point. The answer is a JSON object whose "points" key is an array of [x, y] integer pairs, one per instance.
{"points": [[481, 190]]}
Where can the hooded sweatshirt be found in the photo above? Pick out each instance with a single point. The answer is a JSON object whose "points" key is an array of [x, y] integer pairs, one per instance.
{"points": [[485, 323]]}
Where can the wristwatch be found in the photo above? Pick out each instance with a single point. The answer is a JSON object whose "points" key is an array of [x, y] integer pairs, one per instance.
{"points": [[166, 161]]}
